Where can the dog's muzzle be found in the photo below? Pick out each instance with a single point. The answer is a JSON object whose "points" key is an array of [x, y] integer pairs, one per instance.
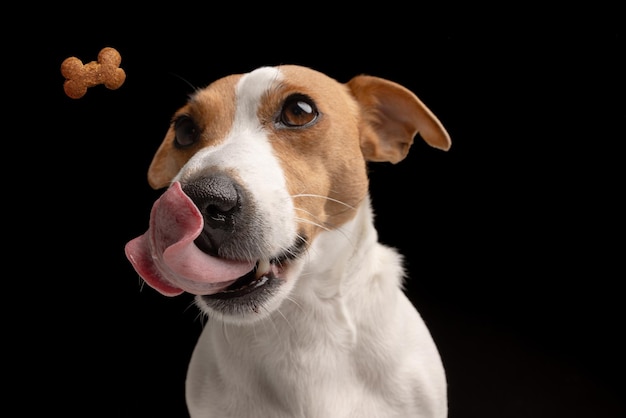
{"points": [[193, 244]]}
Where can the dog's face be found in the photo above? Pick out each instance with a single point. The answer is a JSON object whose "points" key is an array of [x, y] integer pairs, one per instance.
{"points": [[257, 167]]}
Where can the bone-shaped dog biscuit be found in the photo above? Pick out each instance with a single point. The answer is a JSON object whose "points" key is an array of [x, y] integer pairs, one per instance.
{"points": [[105, 71]]}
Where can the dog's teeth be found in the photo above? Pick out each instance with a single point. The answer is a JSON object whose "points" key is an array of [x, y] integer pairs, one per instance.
{"points": [[262, 268], [261, 282]]}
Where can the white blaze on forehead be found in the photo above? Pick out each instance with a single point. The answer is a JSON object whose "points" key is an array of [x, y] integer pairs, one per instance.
{"points": [[250, 90], [246, 146]]}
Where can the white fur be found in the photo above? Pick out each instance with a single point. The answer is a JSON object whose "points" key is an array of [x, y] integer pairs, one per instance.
{"points": [[347, 343]]}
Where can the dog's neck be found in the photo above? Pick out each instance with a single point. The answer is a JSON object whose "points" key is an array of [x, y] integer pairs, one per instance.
{"points": [[339, 271], [338, 258], [337, 323]]}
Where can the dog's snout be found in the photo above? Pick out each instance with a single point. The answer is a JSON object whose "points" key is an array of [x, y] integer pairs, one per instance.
{"points": [[219, 201]]}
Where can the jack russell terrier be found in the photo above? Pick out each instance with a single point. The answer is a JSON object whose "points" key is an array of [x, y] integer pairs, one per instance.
{"points": [[267, 219]]}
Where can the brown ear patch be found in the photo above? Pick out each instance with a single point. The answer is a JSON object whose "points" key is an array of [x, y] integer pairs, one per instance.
{"points": [[392, 117]]}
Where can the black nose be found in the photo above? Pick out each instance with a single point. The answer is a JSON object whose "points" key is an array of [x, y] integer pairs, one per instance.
{"points": [[218, 199]]}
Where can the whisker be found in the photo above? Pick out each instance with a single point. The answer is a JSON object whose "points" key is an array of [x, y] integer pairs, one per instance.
{"points": [[271, 320], [326, 228], [194, 88], [200, 316], [225, 332], [310, 222], [294, 301], [286, 319], [324, 197], [254, 332], [304, 220]]}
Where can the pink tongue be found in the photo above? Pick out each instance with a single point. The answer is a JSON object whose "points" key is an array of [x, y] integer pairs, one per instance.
{"points": [[166, 256]]}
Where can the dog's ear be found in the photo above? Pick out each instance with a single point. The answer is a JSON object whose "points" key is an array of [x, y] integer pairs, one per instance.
{"points": [[392, 116]]}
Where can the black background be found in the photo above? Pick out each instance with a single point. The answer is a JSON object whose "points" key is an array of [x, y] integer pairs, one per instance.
{"points": [[513, 239]]}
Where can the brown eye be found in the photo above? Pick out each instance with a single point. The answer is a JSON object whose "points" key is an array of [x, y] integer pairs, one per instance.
{"points": [[186, 130], [298, 110]]}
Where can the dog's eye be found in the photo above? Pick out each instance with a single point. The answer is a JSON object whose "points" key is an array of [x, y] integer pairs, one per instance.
{"points": [[186, 131], [298, 110]]}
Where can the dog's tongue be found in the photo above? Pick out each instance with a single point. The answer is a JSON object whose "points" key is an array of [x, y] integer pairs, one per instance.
{"points": [[166, 256]]}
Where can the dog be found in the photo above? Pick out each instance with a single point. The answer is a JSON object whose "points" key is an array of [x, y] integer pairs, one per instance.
{"points": [[266, 217]]}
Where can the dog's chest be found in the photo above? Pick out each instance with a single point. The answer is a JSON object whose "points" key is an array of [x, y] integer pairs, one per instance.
{"points": [[295, 372], [313, 358]]}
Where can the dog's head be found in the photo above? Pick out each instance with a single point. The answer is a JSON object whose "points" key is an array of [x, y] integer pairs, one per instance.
{"points": [[257, 166]]}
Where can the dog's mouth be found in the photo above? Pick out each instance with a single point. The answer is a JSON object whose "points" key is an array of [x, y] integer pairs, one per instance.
{"points": [[264, 274], [168, 258], [251, 282], [251, 292]]}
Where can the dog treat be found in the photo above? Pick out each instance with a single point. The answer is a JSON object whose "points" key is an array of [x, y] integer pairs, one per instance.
{"points": [[105, 71]]}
